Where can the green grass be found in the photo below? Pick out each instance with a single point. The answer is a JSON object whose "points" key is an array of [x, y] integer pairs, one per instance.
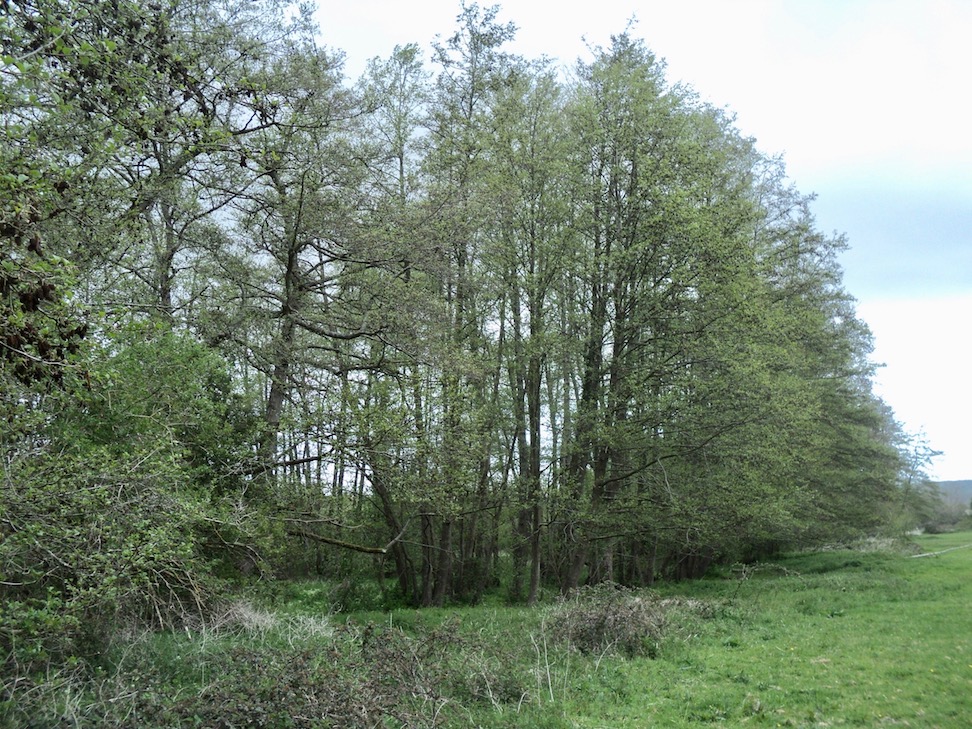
{"points": [[817, 640], [824, 639], [842, 638]]}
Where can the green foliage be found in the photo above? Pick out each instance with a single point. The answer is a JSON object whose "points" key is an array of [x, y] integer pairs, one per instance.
{"points": [[152, 389], [93, 542], [113, 510], [39, 330]]}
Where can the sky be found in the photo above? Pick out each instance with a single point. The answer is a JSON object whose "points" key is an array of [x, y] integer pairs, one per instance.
{"points": [[867, 101]]}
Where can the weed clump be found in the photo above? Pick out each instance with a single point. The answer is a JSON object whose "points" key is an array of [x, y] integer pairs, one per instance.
{"points": [[608, 617]]}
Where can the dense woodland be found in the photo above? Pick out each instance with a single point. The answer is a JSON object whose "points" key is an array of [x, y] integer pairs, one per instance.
{"points": [[470, 323]]}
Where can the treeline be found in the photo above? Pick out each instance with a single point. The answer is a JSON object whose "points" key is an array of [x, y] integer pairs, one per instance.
{"points": [[483, 323]]}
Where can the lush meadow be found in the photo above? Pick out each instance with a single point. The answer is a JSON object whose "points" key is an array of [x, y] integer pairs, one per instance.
{"points": [[825, 639], [872, 636]]}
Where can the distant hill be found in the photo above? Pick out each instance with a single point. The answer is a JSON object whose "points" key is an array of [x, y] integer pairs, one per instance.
{"points": [[959, 491]]}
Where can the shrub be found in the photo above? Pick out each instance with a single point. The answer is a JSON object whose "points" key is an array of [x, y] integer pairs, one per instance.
{"points": [[108, 506], [88, 544], [608, 617]]}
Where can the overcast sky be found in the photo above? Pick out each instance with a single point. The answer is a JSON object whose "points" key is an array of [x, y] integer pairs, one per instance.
{"points": [[868, 102]]}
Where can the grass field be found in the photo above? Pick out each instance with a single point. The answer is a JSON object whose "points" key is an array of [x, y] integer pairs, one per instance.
{"points": [[819, 640], [827, 639], [838, 638]]}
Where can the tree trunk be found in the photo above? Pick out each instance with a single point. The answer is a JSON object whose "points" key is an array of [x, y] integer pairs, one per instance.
{"points": [[428, 545], [443, 576], [403, 566]]}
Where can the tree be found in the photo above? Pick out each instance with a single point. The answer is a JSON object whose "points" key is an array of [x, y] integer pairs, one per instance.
{"points": [[173, 163], [99, 510], [529, 245], [652, 245], [38, 330], [473, 67]]}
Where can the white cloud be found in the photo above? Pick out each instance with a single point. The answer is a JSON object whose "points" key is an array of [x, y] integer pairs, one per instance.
{"points": [[846, 84]]}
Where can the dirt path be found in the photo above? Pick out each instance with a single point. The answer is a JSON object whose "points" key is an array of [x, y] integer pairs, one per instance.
{"points": [[935, 554]]}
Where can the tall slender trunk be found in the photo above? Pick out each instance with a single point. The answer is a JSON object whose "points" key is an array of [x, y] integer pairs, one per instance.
{"points": [[443, 572], [518, 387], [283, 346], [165, 263], [533, 389], [279, 388], [583, 447], [403, 566]]}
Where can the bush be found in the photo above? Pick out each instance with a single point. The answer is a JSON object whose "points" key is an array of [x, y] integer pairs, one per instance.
{"points": [[608, 617], [88, 544], [109, 507]]}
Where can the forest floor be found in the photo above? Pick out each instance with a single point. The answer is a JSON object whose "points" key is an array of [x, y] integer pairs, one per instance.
{"points": [[861, 637]]}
